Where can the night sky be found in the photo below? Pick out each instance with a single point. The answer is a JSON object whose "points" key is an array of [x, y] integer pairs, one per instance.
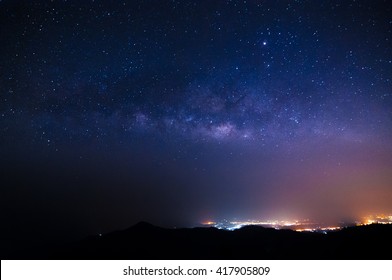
{"points": [[175, 112]]}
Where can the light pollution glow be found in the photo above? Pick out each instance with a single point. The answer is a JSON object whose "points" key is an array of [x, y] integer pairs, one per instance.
{"points": [[299, 225]]}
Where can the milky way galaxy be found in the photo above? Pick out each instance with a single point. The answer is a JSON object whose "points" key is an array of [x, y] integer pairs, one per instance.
{"points": [[175, 112]]}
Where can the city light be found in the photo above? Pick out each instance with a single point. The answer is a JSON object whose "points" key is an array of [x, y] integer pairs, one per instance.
{"points": [[376, 219], [299, 225]]}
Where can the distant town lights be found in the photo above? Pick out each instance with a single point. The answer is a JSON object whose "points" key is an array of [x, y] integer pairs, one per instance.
{"points": [[298, 225]]}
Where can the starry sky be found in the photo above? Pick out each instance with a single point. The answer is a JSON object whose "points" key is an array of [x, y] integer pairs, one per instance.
{"points": [[175, 112]]}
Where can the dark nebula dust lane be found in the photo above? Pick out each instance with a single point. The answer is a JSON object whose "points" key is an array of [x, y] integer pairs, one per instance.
{"points": [[175, 112]]}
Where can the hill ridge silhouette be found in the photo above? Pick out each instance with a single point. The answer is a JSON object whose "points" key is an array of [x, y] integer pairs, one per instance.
{"points": [[147, 241]]}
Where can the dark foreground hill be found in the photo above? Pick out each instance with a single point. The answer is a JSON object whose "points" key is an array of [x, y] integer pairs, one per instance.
{"points": [[145, 241]]}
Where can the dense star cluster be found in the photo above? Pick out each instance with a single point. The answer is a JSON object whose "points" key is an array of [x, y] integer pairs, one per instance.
{"points": [[259, 109]]}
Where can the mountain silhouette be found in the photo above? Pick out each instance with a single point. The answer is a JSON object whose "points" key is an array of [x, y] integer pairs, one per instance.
{"points": [[146, 241]]}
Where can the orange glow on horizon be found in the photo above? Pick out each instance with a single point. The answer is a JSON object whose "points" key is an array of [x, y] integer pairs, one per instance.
{"points": [[300, 225], [208, 223]]}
